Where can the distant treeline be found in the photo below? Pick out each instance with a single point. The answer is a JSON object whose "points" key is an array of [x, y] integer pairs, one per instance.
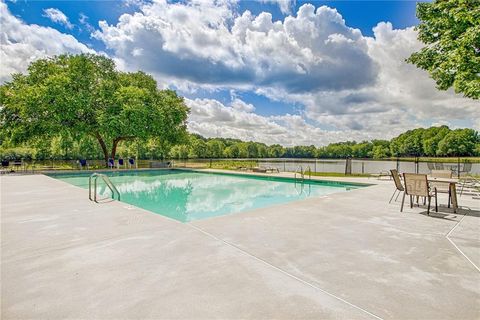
{"points": [[432, 142]]}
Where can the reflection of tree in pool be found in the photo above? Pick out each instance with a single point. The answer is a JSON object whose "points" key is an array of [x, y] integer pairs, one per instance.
{"points": [[192, 196], [159, 196]]}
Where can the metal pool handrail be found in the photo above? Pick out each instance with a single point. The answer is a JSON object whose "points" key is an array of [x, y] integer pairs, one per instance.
{"points": [[301, 173], [108, 183], [309, 172]]}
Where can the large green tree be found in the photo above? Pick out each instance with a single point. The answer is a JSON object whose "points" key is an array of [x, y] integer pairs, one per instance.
{"points": [[215, 148], [79, 95], [460, 142], [450, 30]]}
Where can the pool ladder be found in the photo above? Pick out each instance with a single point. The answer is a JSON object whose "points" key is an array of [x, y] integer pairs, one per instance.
{"points": [[94, 177], [301, 173]]}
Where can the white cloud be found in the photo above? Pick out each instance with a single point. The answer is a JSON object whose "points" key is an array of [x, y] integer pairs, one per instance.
{"points": [[242, 106], [211, 118], [84, 21], [284, 5], [57, 16], [404, 96], [134, 3], [21, 43], [403, 85], [209, 44]]}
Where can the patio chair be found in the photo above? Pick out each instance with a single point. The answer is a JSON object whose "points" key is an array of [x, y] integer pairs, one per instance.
{"points": [[5, 165], [467, 167], [442, 187], [82, 163], [17, 164], [131, 162], [120, 163], [381, 174], [272, 169], [111, 163], [260, 170], [398, 184], [441, 174], [416, 185], [470, 185]]}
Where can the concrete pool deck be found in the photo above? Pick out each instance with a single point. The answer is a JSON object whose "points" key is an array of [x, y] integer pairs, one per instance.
{"points": [[343, 256]]}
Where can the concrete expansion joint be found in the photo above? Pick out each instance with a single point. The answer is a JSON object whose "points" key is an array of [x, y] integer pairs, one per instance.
{"points": [[284, 272], [456, 247]]}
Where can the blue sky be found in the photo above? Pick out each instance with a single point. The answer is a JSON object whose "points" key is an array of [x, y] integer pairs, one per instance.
{"points": [[363, 15], [287, 72]]}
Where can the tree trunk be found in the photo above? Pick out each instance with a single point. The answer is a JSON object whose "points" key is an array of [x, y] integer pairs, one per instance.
{"points": [[103, 146], [114, 147], [115, 144]]}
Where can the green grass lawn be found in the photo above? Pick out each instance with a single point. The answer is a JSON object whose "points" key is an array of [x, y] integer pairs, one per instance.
{"points": [[336, 174], [440, 159], [232, 164]]}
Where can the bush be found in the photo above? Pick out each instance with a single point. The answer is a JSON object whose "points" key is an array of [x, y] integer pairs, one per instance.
{"points": [[17, 153]]}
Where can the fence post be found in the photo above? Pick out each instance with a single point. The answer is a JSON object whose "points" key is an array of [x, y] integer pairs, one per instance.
{"points": [[210, 163], [348, 166], [458, 168], [315, 165], [284, 165]]}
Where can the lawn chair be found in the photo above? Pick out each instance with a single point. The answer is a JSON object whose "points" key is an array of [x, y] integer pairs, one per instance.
{"points": [[442, 187], [398, 184], [131, 163], [111, 163], [5, 165], [431, 166], [467, 167], [470, 185], [272, 169], [17, 164], [120, 163], [416, 185], [441, 174], [439, 166], [83, 164]]}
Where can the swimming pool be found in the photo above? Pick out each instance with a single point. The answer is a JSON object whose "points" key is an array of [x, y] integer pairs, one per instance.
{"points": [[191, 195]]}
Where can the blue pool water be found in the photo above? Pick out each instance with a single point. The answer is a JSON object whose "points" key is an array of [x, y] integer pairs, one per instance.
{"points": [[191, 195]]}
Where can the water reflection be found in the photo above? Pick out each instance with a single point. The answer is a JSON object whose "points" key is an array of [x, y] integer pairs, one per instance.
{"points": [[187, 196]]}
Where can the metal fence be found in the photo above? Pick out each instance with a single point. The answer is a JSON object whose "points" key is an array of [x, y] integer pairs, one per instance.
{"points": [[343, 166]]}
